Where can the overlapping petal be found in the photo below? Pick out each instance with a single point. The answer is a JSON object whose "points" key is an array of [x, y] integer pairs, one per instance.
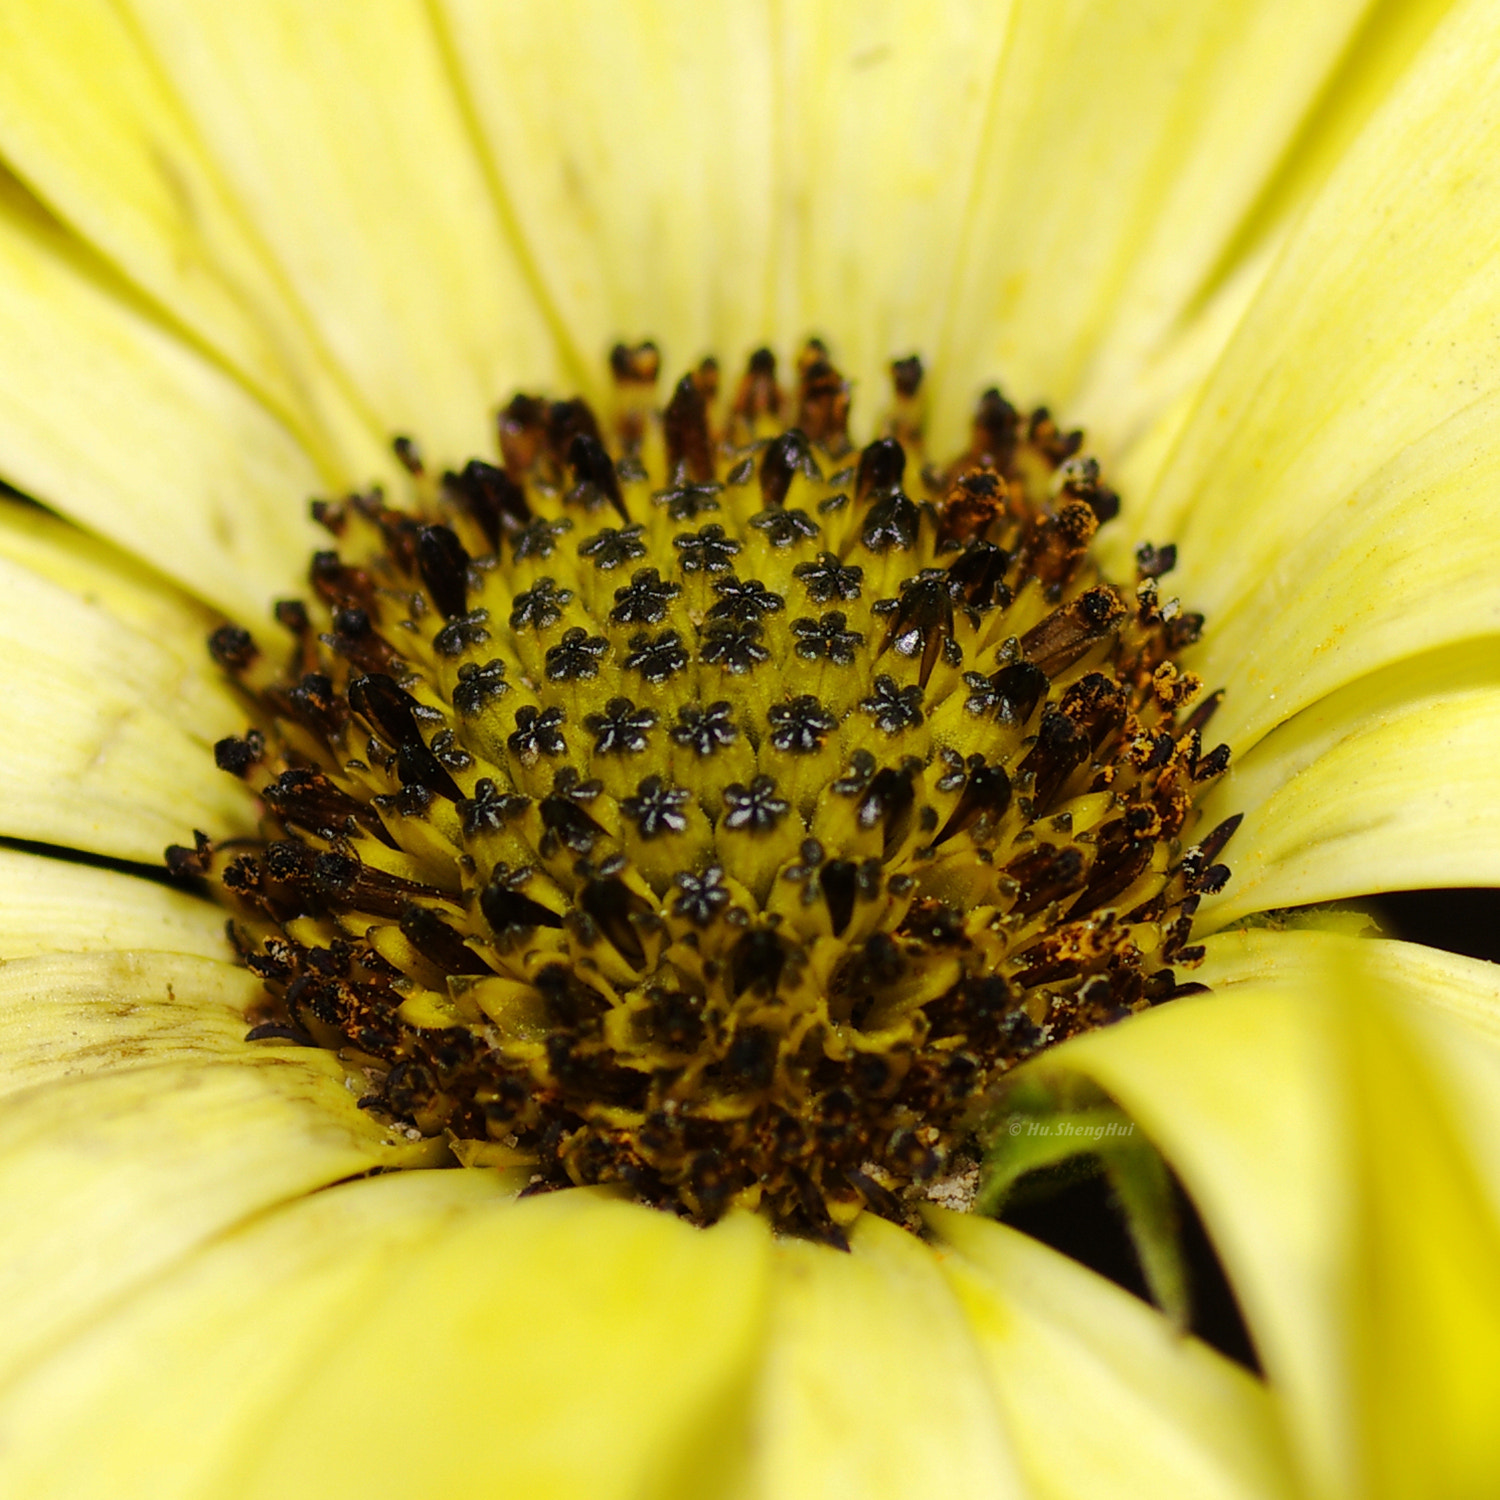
{"points": [[109, 416], [1102, 1394], [1343, 1163], [1088, 243], [111, 752], [1401, 566], [88, 121], [667, 1361], [873, 1384], [56, 906], [135, 1124], [1375, 327], [364, 187], [1387, 784]]}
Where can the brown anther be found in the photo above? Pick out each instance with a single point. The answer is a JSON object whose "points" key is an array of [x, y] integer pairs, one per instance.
{"points": [[635, 364], [974, 501], [995, 432], [906, 376], [1055, 445], [690, 458], [823, 401], [905, 420], [409, 455], [1059, 640], [522, 429], [758, 397], [1058, 546]]}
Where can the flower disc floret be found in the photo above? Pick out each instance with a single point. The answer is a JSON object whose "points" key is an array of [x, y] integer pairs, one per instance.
{"points": [[733, 860]]}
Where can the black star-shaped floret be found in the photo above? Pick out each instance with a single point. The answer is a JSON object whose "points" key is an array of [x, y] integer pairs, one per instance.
{"points": [[689, 501], [575, 656], [656, 657], [644, 600], [892, 522], [800, 725], [807, 871], [410, 802], [955, 775], [613, 547], [924, 611], [827, 579], [478, 687], [744, 599], [703, 896], [449, 752], [538, 538], [1012, 693], [893, 707], [705, 731], [1019, 1031], [489, 808], [827, 638], [567, 782], [983, 696], [540, 606], [734, 645], [785, 528], [657, 808], [861, 771], [756, 807], [565, 812], [538, 733], [459, 635], [706, 551], [622, 729]]}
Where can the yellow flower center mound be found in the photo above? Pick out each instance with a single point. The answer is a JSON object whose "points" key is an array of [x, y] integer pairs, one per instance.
{"points": [[694, 802]]}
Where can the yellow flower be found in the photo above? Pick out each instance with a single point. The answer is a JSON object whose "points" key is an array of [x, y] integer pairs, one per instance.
{"points": [[1250, 245]]}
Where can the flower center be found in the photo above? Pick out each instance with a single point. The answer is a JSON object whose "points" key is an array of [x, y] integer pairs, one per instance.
{"points": [[697, 803]]}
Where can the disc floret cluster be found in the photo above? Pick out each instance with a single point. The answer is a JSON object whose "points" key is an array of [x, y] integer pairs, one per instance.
{"points": [[693, 801]]}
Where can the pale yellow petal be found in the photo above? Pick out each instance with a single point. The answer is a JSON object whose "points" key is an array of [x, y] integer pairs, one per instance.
{"points": [[1386, 785], [1103, 1394], [1147, 412], [109, 417], [107, 741], [71, 1015], [1011, 192], [1375, 326], [567, 1345], [111, 1177], [168, 1397], [53, 906], [641, 175], [880, 127], [873, 1385], [1404, 563], [1391, 34], [1124, 144], [339, 136], [1347, 1196], [87, 121], [136, 1123], [1465, 989], [1464, 992], [128, 589]]}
